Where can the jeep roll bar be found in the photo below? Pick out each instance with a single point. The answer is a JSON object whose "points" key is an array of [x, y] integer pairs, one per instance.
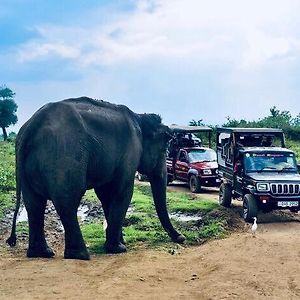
{"points": [[192, 129], [236, 132]]}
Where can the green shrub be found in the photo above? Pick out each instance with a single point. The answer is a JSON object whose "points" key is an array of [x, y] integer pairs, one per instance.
{"points": [[7, 167]]}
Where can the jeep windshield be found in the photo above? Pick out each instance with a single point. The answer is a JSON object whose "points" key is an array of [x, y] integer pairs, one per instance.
{"points": [[268, 162], [202, 155]]}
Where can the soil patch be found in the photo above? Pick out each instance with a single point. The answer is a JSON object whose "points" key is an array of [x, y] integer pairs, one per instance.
{"points": [[237, 267]]}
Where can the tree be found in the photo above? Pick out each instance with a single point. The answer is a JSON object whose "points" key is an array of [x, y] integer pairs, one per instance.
{"points": [[277, 119], [8, 109], [196, 123]]}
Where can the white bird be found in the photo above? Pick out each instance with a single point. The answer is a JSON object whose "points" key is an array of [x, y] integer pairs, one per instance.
{"points": [[254, 227]]}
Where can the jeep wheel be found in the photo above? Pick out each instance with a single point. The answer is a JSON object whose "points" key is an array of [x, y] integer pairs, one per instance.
{"points": [[194, 182], [225, 195], [249, 208]]}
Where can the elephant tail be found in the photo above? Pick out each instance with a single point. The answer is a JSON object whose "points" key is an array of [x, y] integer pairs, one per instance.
{"points": [[11, 241], [19, 149]]}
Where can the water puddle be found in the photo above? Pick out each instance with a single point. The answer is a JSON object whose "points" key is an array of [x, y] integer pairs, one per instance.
{"points": [[83, 213], [184, 218], [22, 216]]}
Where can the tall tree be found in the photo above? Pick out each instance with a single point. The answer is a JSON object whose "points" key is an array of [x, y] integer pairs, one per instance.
{"points": [[8, 109]]}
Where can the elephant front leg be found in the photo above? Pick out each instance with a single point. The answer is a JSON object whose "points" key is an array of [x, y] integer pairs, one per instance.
{"points": [[117, 211], [75, 247], [104, 197]]}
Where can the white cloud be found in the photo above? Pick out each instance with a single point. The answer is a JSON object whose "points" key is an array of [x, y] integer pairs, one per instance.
{"points": [[263, 48], [242, 33], [35, 50]]}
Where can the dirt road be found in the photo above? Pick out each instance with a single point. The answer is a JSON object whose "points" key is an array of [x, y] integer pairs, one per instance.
{"points": [[238, 267]]}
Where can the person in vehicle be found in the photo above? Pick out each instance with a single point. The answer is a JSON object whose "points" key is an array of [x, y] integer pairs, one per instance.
{"points": [[266, 141]]}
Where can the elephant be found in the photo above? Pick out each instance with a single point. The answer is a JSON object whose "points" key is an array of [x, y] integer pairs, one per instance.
{"points": [[73, 145]]}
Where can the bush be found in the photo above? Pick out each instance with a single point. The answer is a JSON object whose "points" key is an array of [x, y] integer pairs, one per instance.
{"points": [[7, 167], [7, 179]]}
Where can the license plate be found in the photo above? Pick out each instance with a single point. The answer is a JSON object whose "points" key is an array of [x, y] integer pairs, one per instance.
{"points": [[288, 203]]}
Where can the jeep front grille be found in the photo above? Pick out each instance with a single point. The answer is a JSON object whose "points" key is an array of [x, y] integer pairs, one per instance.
{"points": [[285, 189]]}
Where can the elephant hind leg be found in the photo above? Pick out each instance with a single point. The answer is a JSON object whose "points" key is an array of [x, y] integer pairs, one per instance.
{"points": [[35, 206]]}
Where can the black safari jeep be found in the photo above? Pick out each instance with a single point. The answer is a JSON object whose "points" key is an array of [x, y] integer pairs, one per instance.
{"points": [[255, 166]]}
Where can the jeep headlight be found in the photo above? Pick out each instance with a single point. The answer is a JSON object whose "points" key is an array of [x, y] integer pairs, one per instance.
{"points": [[207, 172], [263, 187]]}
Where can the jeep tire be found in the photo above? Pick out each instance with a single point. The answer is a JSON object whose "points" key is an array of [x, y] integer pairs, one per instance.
{"points": [[194, 184], [249, 208], [225, 195]]}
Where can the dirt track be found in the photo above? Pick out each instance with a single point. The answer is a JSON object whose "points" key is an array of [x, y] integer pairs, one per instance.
{"points": [[238, 267]]}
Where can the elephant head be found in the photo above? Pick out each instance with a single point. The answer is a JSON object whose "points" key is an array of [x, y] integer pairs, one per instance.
{"points": [[153, 164]]}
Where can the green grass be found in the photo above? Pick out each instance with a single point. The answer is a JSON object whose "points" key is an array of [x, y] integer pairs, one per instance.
{"points": [[90, 197], [186, 203], [142, 226], [94, 236], [7, 177], [7, 167], [6, 202]]}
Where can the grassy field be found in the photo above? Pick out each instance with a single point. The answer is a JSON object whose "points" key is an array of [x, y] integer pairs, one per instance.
{"points": [[141, 227], [7, 176]]}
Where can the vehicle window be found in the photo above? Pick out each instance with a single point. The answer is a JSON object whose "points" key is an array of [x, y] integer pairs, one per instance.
{"points": [[270, 162], [259, 139], [223, 138], [201, 155], [182, 156]]}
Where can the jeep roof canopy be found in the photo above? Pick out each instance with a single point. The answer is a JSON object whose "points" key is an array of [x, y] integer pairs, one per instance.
{"points": [[192, 129], [237, 134], [189, 129], [249, 130]]}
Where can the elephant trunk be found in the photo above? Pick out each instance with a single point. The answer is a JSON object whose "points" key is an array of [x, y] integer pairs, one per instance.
{"points": [[158, 186]]}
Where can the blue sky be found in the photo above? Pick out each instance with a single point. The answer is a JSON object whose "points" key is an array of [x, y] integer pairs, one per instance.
{"points": [[184, 60]]}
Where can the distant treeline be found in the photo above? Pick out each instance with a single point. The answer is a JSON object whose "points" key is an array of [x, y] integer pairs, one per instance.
{"points": [[11, 137], [277, 119]]}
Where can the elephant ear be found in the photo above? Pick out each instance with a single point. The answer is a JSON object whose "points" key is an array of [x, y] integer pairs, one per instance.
{"points": [[150, 124], [153, 128]]}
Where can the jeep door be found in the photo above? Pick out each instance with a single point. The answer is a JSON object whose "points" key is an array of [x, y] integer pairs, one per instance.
{"points": [[182, 166], [238, 174]]}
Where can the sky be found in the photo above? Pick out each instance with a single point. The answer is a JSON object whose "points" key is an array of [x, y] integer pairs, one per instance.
{"points": [[183, 59]]}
